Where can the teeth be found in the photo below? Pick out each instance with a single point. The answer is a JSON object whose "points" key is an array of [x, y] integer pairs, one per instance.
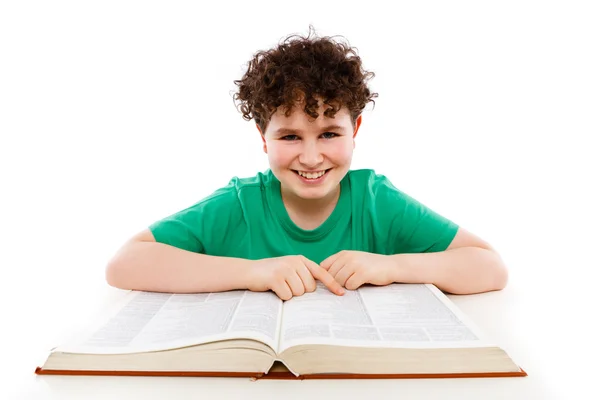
{"points": [[311, 175]]}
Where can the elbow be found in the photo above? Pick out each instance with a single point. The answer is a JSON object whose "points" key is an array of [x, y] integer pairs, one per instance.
{"points": [[111, 274], [120, 270], [501, 280], [115, 275], [500, 276]]}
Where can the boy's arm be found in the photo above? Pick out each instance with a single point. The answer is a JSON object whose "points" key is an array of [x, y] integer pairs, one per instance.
{"points": [[468, 265], [144, 264]]}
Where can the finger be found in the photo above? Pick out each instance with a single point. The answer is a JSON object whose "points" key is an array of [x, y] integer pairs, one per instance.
{"points": [[321, 274], [295, 283], [307, 279], [337, 266], [282, 290], [343, 274], [355, 281], [326, 263]]}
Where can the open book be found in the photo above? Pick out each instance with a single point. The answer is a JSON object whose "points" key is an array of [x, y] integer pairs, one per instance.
{"points": [[400, 330]]}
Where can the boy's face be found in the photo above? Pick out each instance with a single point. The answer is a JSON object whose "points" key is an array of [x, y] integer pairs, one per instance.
{"points": [[320, 149]]}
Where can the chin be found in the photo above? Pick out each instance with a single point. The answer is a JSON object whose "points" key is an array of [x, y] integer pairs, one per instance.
{"points": [[289, 179]]}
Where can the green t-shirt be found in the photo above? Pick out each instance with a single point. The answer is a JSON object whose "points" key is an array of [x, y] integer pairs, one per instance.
{"points": [[247, 219]]}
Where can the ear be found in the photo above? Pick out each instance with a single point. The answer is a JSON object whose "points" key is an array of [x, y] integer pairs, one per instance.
{"points": [[263, 138], [358, 122]]}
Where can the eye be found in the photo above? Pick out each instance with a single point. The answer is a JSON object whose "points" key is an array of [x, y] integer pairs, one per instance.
{"points": [[330, 135], [289, 137]]}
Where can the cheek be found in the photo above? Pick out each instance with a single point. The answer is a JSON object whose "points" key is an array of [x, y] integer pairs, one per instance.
{"points": [[279, 155], [342, 152]]}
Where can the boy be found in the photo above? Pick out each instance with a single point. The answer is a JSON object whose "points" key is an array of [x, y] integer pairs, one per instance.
{"points": [[309, 217]]}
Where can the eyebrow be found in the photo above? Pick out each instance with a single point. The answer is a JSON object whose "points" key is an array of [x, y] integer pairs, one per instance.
{"points": [[290, 131]]}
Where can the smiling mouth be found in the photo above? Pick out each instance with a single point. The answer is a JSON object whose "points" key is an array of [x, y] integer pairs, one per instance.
{"points": [[312, 175]]}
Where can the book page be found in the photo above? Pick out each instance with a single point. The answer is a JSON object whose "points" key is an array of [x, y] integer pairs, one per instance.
{"points": [[149, 321], [397, 315]]}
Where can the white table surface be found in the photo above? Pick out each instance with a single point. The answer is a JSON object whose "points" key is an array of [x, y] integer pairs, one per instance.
{"points": [[522, 323]]}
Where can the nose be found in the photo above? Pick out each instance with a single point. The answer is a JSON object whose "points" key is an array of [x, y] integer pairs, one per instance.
{"points": [[310, 155]]}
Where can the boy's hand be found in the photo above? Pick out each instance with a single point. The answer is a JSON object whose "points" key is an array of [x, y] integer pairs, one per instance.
{"points": [[352, 269], [289, 276]]}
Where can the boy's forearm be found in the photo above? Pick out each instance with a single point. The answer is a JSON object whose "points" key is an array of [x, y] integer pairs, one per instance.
{"points": [[463, 270], [157, 267]]}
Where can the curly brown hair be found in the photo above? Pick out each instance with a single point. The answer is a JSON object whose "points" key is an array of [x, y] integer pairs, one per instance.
{"points": [[303, 70]]}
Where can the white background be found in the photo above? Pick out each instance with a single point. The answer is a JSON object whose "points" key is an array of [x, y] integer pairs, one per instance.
{"points": [[118, 113]]}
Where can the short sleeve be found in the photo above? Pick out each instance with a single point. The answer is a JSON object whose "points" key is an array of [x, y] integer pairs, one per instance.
{"points": [[181, 230], [413, 227], [202, 226]]}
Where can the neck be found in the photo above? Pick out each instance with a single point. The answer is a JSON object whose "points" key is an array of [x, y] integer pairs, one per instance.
{"points": [[310, 207]]}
